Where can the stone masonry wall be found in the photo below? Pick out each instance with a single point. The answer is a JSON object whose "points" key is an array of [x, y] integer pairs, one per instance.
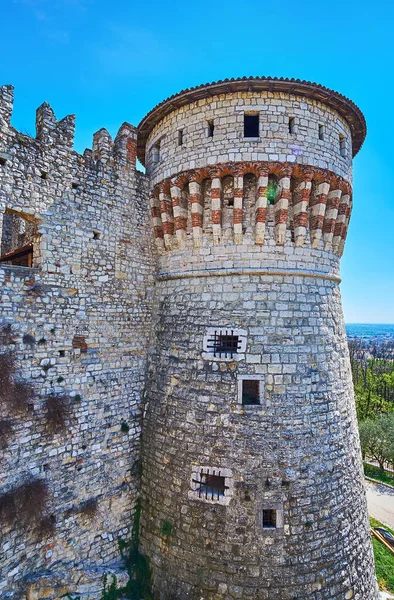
{"points": [[80, 322], [261, 501], [297, 452], [228, 143]]}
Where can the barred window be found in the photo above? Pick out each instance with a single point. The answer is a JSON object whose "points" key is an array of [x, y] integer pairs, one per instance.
{"points": [[223, 342], [211, 484]]}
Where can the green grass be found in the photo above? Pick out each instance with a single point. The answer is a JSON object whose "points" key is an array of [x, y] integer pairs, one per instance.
{"points": [[384, 560], [378, 474]]}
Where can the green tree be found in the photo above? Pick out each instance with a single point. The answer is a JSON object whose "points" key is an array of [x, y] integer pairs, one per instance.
{"points": [[377, 438]]}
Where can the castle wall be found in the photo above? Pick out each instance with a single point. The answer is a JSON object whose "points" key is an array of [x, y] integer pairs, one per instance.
{"points": [[229, 144], [80, 322]]}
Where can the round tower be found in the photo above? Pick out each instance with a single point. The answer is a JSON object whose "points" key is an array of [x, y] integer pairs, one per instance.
{"points": [[252, 483]]}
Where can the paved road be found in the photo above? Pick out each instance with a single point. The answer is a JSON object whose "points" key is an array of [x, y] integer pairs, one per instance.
{"points": [[380, 503]]}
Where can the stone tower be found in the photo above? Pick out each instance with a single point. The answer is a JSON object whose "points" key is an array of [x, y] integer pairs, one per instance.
{"points": [[252, 478]]}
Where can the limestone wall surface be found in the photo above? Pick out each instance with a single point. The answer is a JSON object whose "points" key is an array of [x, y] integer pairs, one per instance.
{"points": [[260, 500], [79, 328], [228, 143], [297, 452]]}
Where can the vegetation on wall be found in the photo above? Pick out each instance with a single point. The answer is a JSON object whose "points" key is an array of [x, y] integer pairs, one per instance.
{"points": [[57, 412], [25, 505]]}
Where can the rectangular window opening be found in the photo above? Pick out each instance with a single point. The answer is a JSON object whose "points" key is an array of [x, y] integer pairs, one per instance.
{"points": [[210, 129], [156, 153], [291, 125], [211, 486], [2, 161], [223, 343], [44, 175], [321, 132], [180, 137], [342, 145], [75, 185], [251, 125], [250, 392], [269, 519]]}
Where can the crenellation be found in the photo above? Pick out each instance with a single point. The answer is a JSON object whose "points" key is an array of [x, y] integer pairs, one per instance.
{"points": [[6, 106]]}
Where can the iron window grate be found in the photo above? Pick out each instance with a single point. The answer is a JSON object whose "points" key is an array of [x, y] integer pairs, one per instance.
{"points": [[211, 485], [224, 343]]}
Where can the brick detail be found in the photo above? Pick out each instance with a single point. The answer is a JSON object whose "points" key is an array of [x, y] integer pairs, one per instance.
{"points": [[301, 198], [156, 220], [196, 212], [216, 196], [314, 206], [341, 225], [317, 211], [333, 200], [167, 216], [238, 206], [282, 208], [80, 342]]}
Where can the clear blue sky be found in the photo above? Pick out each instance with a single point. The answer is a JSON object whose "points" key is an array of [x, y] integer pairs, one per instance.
{"points": [[112, 61]]}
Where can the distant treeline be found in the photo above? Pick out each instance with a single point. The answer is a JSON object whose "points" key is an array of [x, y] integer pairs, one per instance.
{"points": [[373, 377]]}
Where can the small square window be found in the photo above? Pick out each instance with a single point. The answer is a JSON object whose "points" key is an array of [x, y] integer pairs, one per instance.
{"points": [[269, 518], [2, 161], [251, 125], [44, 175], [250, 392]]}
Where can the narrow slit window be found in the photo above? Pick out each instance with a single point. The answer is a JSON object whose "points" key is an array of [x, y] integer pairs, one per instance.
{"points": [[250, 392], [251, 126], [292, 125], [269, 519], [180, 137], [321, 132], [342, 145], [156, 153], [210, 129]]}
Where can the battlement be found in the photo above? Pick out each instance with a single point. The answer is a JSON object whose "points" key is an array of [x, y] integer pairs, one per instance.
{"points": [[53, 135]]}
